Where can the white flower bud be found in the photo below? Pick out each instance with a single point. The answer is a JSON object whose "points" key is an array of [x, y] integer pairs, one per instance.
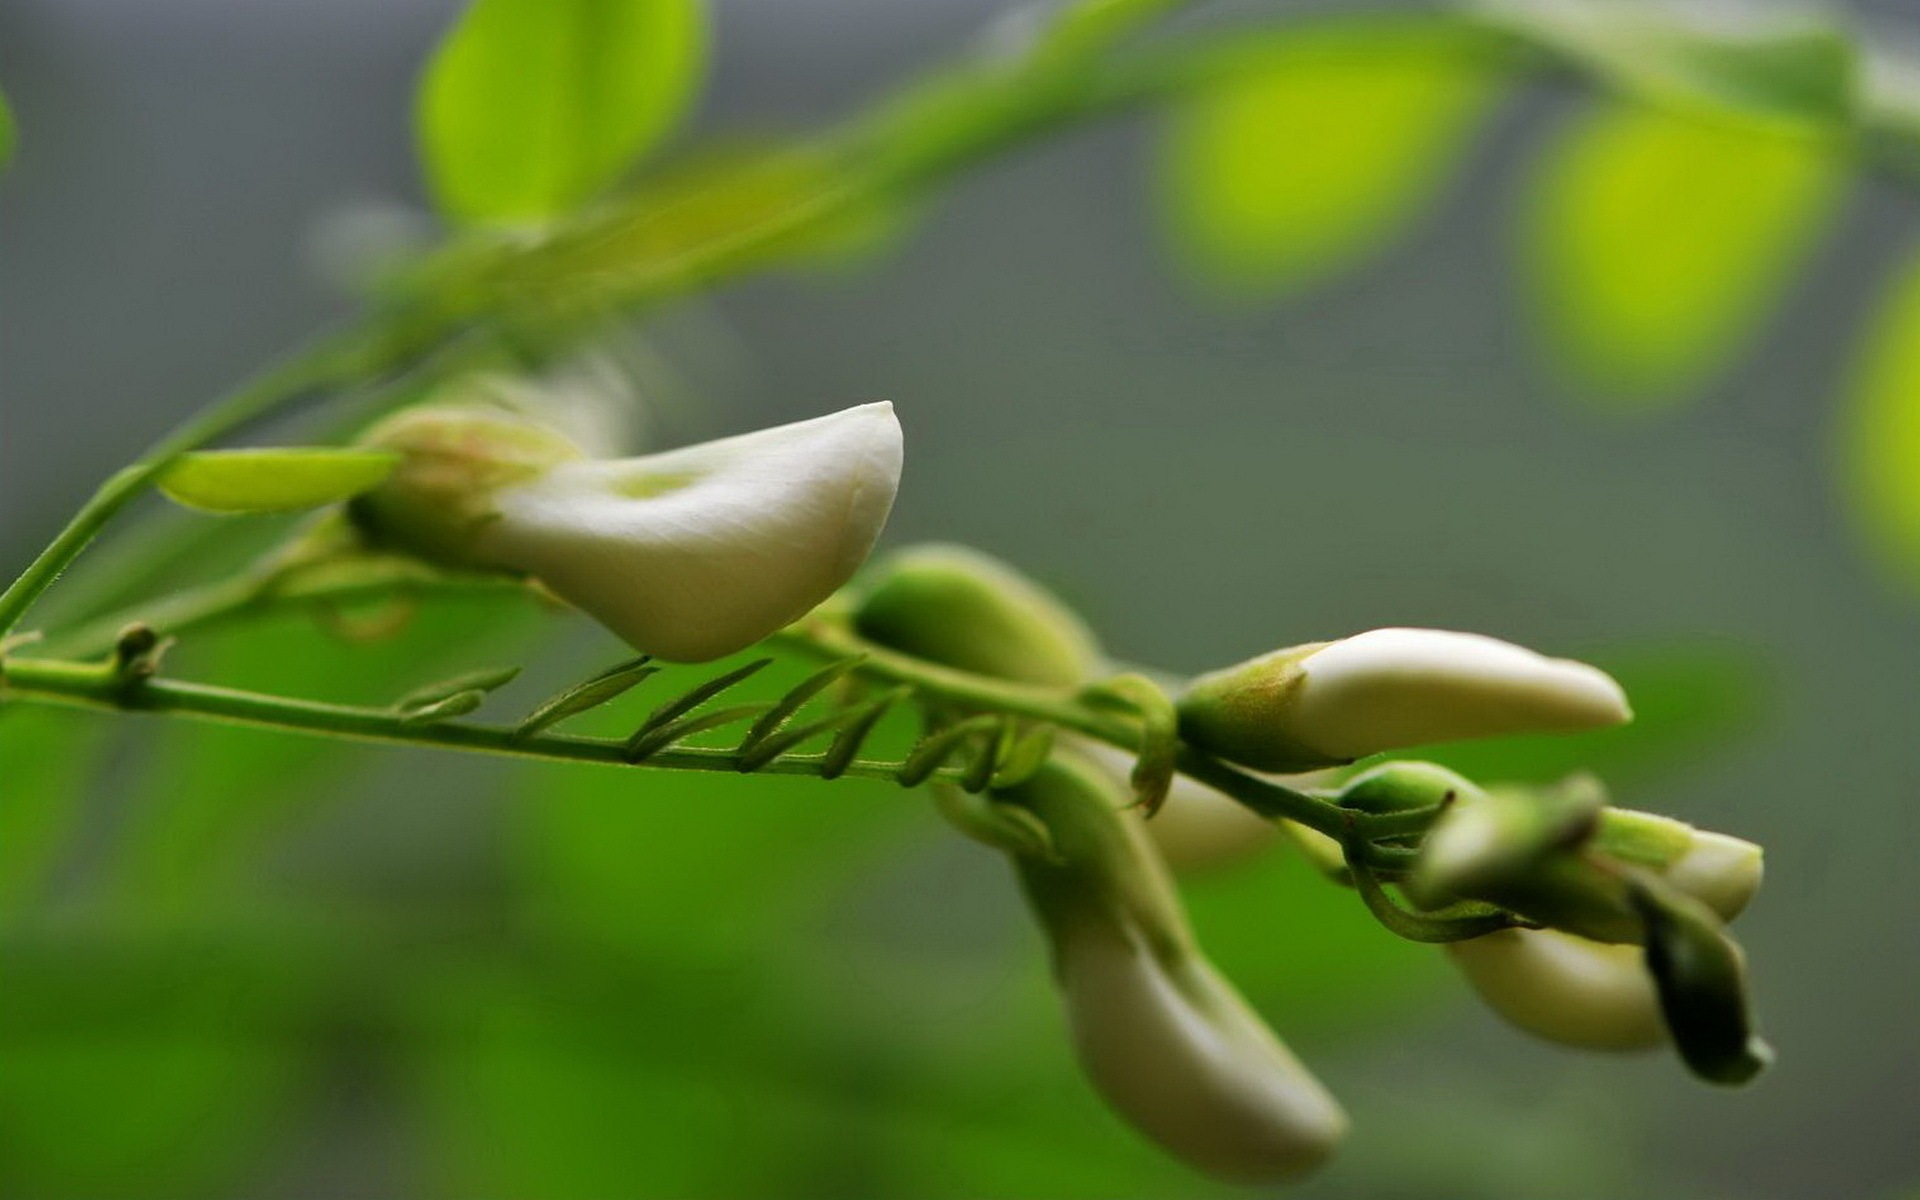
{"points": [[1326, 703], [1719, 870], [1197, 828], [689, 555], [1179, 1053], [1167, 1041], [1564, 988], [1598, 995]]}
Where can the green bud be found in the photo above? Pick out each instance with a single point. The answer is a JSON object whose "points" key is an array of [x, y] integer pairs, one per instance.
{"points": [[1403, 786], [1719, 870], [960, 608], [1701, 978], [1489, 839], [453, 461]]}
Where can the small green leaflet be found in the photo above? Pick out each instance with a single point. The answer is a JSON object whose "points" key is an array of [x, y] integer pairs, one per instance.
{"points": [[529, 107], [275, 480], [1882, 441], [1325, 151], [1657, 241], [586, 695], [1764, 63]]}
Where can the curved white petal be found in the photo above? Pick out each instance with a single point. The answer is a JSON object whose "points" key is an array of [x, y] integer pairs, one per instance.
{"points": [[1389, 688], [1564, 988], [696, 553], [1178, 1052], [1719, 870]]}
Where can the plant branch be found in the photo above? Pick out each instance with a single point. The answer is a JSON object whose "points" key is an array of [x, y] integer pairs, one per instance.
{"points": [[98, 686]]}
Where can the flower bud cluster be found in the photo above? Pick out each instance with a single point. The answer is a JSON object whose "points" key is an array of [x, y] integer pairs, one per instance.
{"points": [[1624, 945], [1617, 918]]}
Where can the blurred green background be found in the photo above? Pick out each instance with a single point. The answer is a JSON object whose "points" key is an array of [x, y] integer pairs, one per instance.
{"points": [[238, 965]]}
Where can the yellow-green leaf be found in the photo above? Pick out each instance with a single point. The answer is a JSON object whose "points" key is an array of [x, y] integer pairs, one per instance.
{"points": [[1882, 439], [9, 132], [1324, 151], [529, 107], [1760, 62], [277, 480], [1656, 242]]}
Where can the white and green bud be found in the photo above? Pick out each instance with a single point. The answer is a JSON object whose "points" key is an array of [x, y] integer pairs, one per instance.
{"points": [[1564, 988], [688, 555], [1575, 990], [961, 608], [1327, 703], [1169, 1043], [1719, 870]]}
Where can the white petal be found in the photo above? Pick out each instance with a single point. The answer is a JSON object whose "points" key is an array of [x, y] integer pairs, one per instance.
{"points": [[1189, 1064], [1564, 988], [696, 553], [1389, 688], [1721, 871]]}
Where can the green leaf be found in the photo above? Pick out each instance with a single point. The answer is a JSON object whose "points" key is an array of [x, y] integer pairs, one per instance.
{"points": [[276, 480], [50, 756], [1323, 153], [1656, 243], [134, 1073], [211, 799], [1764, 63], [1882, 439], [529, 107], [9, 132]]}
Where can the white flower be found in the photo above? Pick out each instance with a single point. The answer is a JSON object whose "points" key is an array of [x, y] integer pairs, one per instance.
{"points": [[689, 555], [1326, 703]]}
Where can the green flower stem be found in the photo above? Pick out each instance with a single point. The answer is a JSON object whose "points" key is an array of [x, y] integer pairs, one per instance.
{"points": [[258, 593], [1061, 708], [98, 686]]}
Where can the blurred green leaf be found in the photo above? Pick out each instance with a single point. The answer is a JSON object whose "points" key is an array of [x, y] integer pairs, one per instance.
{"points": [[50, 754], [529, 107], [211, 794], [136, 1075], [9, 131], [1689, 700], [1760, 62], [643, 858], [1307, 165], [1882, 439], [1304, 950], [705, 197], [277, 480], [1657, 242]]}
